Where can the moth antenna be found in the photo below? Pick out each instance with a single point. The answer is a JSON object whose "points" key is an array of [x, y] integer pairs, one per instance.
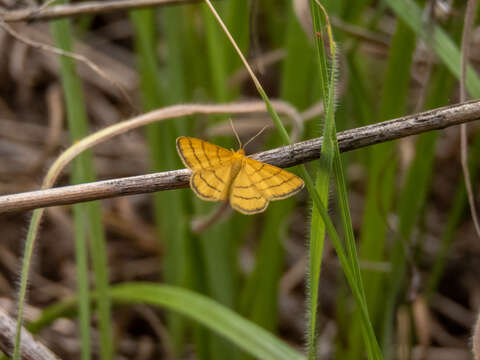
{"points": [[236, 134], [254, 136]]}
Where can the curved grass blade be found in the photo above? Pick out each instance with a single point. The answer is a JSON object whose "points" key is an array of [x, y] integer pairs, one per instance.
{"points": [[243, 333]]}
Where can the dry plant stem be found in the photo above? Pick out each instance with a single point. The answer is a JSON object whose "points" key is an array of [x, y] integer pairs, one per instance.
{"points": [[403, 333], [77, 57], [466, 36], [157, 115], [422, 321], [285, 156], [118, 70], [30, 348], [467, 30], [87, 7], [154, 116], [476, 339]]}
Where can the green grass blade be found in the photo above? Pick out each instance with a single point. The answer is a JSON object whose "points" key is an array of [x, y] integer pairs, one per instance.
{"points": [[373, 350], [194, 69], [22, 291], [81, 260], [414, 194], [331, 156], [218, 249], [259, 297], [238, 21], [381, 172], [344, 262], [315, 196], [295, 86], [412, 200], [322, 182], [260, 294], [216, 58], [83, 172], [243, 333], [174, 87], [250, 337], [171, 220], [393, 104]]}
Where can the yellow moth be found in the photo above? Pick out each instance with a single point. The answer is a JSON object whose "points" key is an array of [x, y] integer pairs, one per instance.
{"points": [[226, 175]]}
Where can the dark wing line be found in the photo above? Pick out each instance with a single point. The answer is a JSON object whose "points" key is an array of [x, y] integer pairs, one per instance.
{"points": [[195, 153], [251, 181], [280, 184], [256, 170], [206, 183], [180, 152], [204, 154], [195, 189], [217, 177], [262, 196], [275, 197], [264, 179]]}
